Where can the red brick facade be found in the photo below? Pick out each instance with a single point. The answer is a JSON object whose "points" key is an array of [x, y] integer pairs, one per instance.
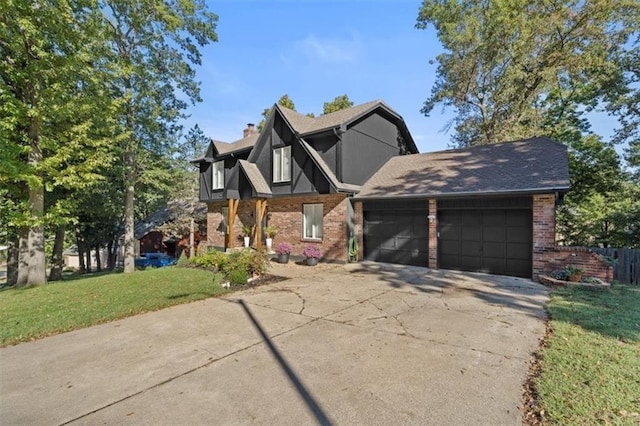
{"points": [[286, 215], [548, 257]]}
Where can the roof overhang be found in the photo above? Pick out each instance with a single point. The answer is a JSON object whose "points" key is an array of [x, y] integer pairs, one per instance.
{"points": [[476, 194]]}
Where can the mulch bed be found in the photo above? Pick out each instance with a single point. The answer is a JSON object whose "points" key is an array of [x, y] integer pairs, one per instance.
{"points": [[263, 279]]}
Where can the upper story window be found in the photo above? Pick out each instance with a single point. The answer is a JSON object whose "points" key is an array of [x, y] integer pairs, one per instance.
{"points": [[282, 164], [217, 178]]}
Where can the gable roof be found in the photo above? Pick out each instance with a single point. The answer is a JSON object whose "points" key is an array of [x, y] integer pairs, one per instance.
{"points": [[533, 165], [303, 125], [326, 170], [224, 148], [162, 216], [255, 178]]}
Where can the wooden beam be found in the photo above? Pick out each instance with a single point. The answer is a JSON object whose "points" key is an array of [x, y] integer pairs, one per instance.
{"points": [[233, 209], [261, 209]]}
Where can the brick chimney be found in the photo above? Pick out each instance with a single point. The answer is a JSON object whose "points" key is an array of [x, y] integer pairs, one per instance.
{"points": [[250, 130]]}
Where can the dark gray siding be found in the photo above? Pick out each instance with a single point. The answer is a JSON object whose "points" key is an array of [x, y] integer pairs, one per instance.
{"points": [[366, 146], [305, 176], [327, 146], [230, 179]]}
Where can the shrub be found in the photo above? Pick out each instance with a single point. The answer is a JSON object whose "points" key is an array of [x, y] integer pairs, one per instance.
{"points": [[283, 248], [253, 262], [559, 274], [313, 252], [573, 270], [238, 276], [213, 259]]}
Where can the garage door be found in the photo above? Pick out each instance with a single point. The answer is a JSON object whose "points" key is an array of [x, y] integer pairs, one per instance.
{"points": [[496, 241], [396, 233]]}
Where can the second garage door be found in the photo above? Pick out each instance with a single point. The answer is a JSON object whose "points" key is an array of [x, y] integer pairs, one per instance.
{"points": [[396, 233], [496, 241]]}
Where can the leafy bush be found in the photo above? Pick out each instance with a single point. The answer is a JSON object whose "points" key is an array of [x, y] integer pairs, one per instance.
{"points": [[237, 265], [214, 259], [560, 274], [238, 276], [283, 248], [313, 252], [253, 262]]}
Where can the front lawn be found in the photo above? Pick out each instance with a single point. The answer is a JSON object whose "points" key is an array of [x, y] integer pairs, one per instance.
{"points": [[28, 314], [590, 368]]}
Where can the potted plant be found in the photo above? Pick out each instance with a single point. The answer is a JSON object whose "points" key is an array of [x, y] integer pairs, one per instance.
{"points": [[247, 230], [312, 253], [283, 250], [574, 273], [270, 231]]}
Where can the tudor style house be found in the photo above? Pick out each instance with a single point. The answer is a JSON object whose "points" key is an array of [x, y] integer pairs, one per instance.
{"points": [[298, 175], [357, 172]]}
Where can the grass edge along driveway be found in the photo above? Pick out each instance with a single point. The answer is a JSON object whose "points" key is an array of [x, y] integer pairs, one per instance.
{"points": [[32, 313], [590, 368]]}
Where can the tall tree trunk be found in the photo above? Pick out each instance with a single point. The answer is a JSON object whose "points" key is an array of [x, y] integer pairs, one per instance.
{"points": [[192, 238], [57, 262], [12, 261], [23, 257], [98, 260], [37, 274], [129, 237], [87, 253], [110, 256], [80, 246]]}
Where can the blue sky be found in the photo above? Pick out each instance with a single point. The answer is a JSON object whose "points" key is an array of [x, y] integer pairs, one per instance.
{"points": [[315, 50]]}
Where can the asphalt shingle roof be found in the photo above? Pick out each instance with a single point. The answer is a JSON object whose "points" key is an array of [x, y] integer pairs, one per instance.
{"points": [[530, 165], [239, 145], [255, 177]]}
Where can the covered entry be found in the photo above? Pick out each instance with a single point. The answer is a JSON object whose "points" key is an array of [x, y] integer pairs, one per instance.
{"points": [[396, 232], [486, 235]]}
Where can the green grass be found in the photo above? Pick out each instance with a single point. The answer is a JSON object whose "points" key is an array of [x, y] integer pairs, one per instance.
{"points": [[32, 313], [591, 366]]}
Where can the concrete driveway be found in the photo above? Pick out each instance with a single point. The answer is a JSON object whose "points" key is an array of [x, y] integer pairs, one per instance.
{"points": [[355, 344]]}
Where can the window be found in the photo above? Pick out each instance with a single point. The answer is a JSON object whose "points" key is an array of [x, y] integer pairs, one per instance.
{"points": [[282, 164], [312, 221], [217, 179]]}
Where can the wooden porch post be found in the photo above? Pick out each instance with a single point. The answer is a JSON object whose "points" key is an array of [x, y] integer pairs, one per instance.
{"points": [[261, 209], [233, 209]]}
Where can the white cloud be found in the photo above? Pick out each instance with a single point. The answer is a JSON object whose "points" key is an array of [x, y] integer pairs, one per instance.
{"points": [[325, 50]]}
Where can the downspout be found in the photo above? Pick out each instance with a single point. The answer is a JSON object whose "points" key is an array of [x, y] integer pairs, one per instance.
{"points": [[338, 132]]}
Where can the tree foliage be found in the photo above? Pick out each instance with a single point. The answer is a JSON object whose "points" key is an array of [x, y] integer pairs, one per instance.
{"points": [[506, 64], [284, 101], [338, 103], [154, 45], [519, 69]]}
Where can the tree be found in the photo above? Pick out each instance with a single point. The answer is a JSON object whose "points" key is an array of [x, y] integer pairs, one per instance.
{"points": [[340, 102], [50, 102], [503, 61], [284, 101], [154, 44], [185, 203]]}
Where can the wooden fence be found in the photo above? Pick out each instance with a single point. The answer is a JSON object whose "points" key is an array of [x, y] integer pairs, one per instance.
{"points": [[626, 269]]}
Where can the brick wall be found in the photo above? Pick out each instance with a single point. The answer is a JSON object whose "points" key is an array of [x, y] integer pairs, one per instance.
{"points": [[590, 262], [433, 234], [548, 257], [544, 230], [286, 215], [215, 229], [358, 228]]}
